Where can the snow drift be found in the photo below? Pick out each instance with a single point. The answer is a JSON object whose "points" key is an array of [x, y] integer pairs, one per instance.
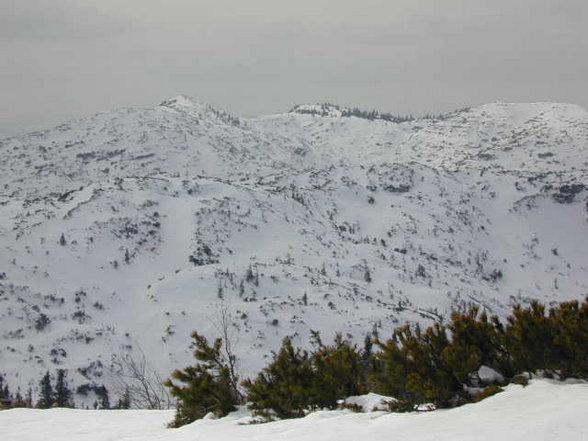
{"points": [[542, 411]]}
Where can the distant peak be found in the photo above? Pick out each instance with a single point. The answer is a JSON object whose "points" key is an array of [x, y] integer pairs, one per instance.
{"points": [[199, 109], [183, 102], [335, 111], [324, 109]]}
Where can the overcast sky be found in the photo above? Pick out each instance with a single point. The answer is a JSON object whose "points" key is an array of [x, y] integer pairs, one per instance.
{"points": [[66, 58]]}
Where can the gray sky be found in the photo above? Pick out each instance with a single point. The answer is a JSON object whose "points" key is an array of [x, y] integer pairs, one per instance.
{"points": [[66, 58]]}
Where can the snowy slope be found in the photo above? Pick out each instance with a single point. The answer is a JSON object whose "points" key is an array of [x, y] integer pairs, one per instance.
{"points": [[543, 411], [293, 221]]}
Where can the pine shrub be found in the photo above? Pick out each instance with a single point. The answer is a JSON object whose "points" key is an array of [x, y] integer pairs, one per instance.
{"points": [[338, 371], [283, 387], [210, 386]]}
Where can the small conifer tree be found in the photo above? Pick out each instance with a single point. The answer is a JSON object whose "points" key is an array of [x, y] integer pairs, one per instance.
{"points": [[103, 397], [46, 392], [4, 391], [338, 371], [62, 392], [410, 366], [124, 402], [528, 338], [209, 386], [283, 388], [570, 342]]}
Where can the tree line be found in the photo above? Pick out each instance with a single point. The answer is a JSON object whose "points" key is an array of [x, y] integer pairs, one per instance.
{"points": [[58, 394]]}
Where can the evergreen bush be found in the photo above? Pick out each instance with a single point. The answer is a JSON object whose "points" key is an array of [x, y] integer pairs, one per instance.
{"points": [[284, 387], [210, 386], [415, 366]]}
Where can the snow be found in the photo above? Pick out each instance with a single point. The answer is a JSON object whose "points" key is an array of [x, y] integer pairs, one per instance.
{"points": [[432, 209], [542, 411], [489, 375], [33, 424], [369, 402]]}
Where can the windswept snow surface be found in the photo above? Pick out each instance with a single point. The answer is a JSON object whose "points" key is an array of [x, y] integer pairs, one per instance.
{"points": [[295, 221], [543, 411]]}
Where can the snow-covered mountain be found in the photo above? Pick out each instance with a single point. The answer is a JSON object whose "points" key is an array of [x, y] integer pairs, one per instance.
{"points": [[123, 232]]}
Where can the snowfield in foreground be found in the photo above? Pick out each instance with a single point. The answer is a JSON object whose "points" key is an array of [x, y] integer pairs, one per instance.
{"points": [[544, 410]]}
